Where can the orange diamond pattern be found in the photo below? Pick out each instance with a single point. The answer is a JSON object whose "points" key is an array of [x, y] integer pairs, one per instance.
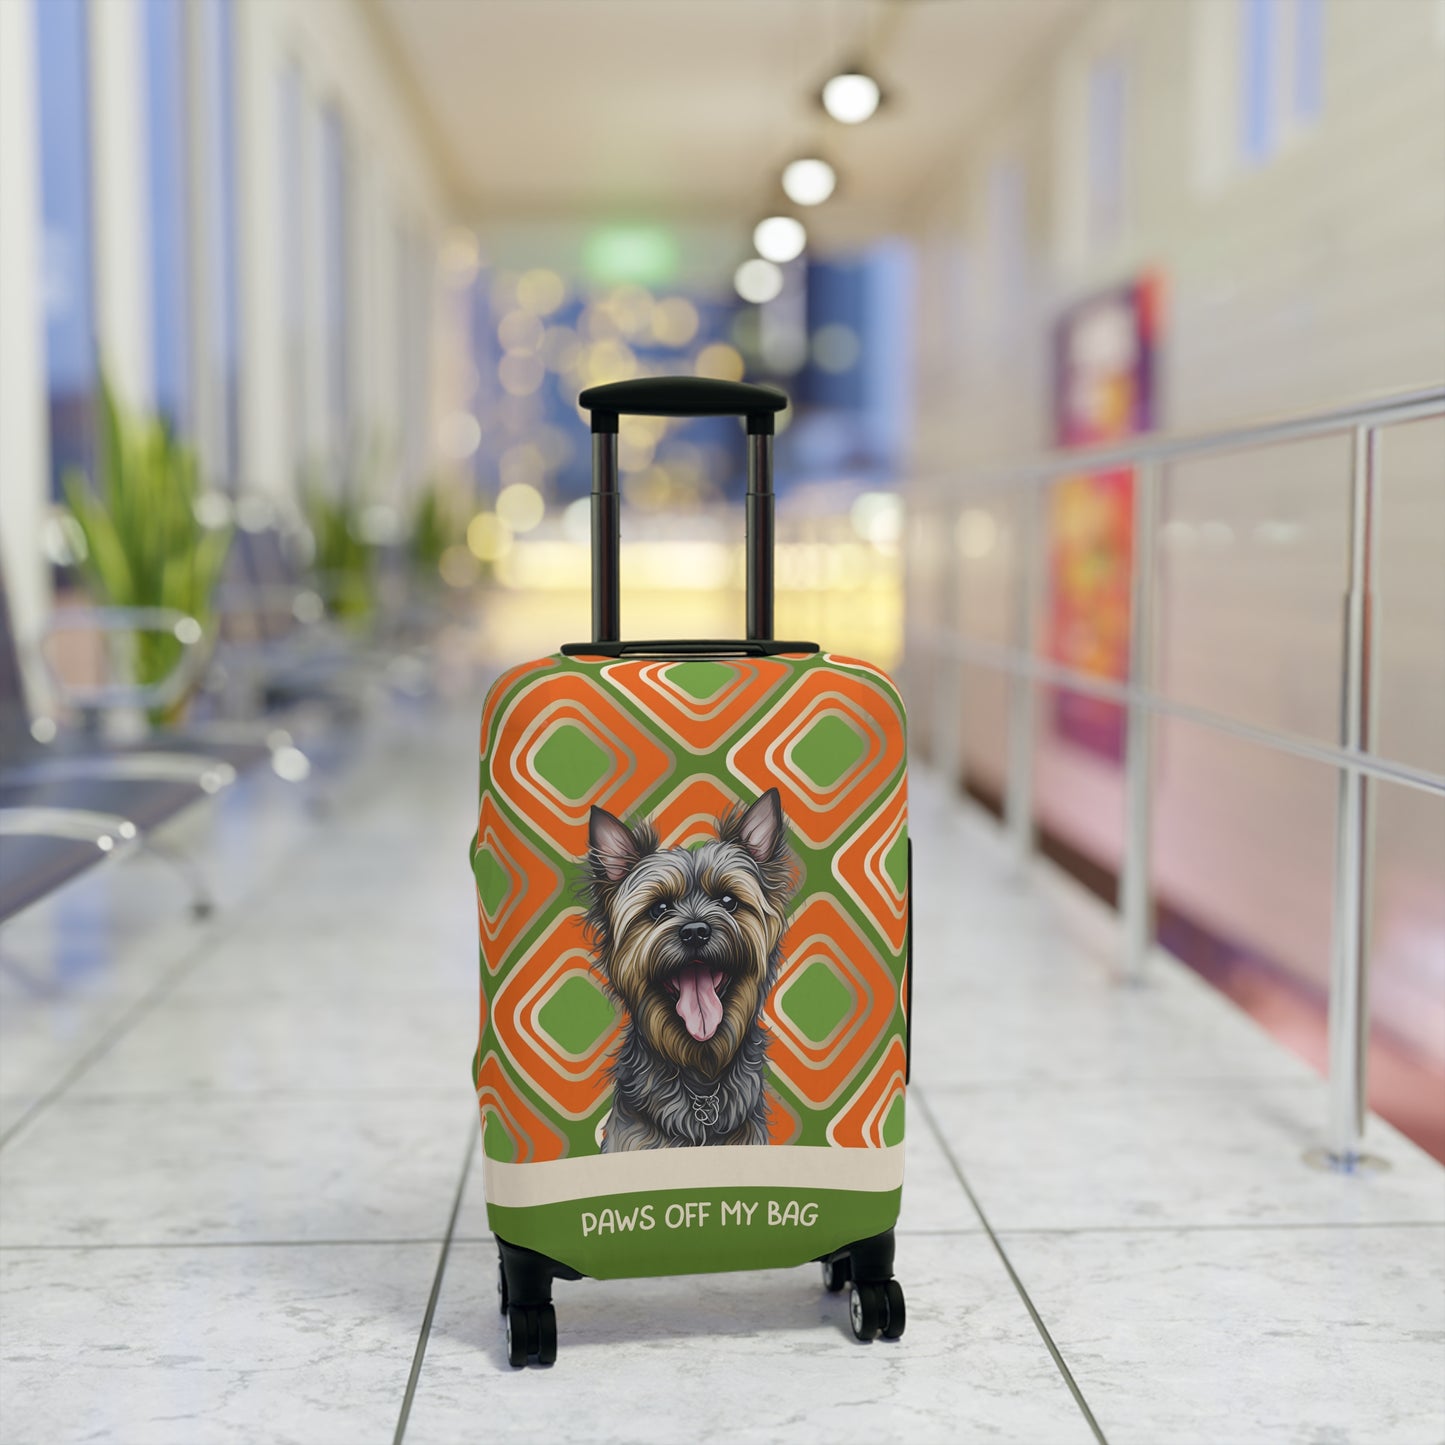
{"points": [[698, 724], [532, 882], [504, 1107], [819, 1072], [859, 1123], [858, 866], [763, 758], [637, 764], [574, 1086], [690, 813]]}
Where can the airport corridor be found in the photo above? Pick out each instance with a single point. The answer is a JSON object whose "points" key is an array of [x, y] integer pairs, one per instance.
{"points": [[243, 1194]]}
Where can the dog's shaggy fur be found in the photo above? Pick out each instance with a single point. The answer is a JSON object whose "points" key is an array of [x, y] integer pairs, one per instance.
{"points": [[689, 941]]}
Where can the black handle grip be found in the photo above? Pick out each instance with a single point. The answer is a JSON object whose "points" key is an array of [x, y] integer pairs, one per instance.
{"points": [[688, 647], [682, 396]]}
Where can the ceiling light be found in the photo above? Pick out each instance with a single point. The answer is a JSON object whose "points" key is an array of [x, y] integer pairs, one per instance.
{"points": [[851, 97], [809, 182], [758, 280], [780, 238]]}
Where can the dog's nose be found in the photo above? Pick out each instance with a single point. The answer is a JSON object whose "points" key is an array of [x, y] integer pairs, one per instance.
{"points": [[694, 933]]}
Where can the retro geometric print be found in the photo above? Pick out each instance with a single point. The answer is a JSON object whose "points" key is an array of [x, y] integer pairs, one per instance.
{"points": [[873, 1116], [872, 866], [515, 883], [680, 741], [690, 813], [522, 1134], [832, 1005], [827, 748], [698, 702], [562, 1050], [565, 747]]}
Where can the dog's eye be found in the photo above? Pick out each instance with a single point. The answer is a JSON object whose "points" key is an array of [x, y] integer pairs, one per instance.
{"points": [[729, 902], [658, 909]]}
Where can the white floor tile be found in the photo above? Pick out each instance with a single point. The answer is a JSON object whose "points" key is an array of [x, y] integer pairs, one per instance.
{"points": [[364, 1042], [1109, 1156], [1315, 1336], [749, 1357], [41, 1042], [399, 949], [12, 1108], [173, 1170], [987, 1025], [194, 1346]]}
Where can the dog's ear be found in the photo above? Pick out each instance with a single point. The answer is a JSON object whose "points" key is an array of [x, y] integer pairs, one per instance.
{"points": [[612, 848], [760, 829]]}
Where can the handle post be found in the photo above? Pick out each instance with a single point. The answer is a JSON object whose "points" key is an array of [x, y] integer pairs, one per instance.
{"points": [[606, 532], [680, 396], [759, 541]]}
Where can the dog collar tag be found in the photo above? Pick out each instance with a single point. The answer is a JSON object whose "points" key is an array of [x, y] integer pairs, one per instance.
{"points": [[706, 1107]]}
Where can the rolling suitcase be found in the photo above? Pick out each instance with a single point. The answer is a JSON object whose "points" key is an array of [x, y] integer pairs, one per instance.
{"points": [[692, 878]]}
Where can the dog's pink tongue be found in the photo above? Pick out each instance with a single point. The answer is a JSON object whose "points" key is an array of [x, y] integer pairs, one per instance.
{"points": [[698, 1005]]}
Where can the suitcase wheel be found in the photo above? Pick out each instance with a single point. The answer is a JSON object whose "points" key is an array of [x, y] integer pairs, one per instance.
{"points": [[897, 1312], [501, 1287], [837, 1274], [531, 1335], [877, 1309]]}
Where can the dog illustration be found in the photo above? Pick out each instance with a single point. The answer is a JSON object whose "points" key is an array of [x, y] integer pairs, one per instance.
{"points": [[689, 941]]}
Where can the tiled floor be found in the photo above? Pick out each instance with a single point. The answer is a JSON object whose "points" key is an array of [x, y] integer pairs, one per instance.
{"points": [[239, 1199]]}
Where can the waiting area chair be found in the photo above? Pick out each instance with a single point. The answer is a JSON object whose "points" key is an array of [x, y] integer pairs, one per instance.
{"points": [[69, 800]]}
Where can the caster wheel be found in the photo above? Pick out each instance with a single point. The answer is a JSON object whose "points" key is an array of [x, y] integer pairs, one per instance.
{"points": [[836, 1274], [547, 1335], [866, 1310], [501, 1287], [517, 1350], [897, 1311]]}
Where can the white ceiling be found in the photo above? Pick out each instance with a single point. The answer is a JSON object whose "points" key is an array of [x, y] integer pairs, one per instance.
{"points": [[686, 110]]}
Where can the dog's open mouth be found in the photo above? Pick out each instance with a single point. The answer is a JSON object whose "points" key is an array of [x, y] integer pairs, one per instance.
{"points": [[697, 988]]}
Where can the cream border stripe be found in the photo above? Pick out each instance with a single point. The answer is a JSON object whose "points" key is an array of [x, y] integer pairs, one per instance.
{"points": [[741, 1166]]}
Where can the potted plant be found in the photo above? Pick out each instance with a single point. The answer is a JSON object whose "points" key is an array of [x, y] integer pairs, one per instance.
{"points": [[147, 538]]}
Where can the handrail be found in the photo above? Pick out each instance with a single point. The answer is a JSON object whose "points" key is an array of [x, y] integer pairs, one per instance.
{"points": [[1351, 755], [1389, 410]]}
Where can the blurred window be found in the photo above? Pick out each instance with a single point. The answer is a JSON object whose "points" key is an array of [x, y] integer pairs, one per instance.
{"points": [[336, 255], [68, 290], [1258, 37], [166, 132], [414, 325], [1309, 59], [1281, 83], [221, 362], [1106, 122], [293, 258]]}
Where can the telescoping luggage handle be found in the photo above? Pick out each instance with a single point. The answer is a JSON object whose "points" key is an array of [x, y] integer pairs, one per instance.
{"points": [[681, 396]]}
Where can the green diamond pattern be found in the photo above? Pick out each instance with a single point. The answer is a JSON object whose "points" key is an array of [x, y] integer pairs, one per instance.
{"points": [[827, 750], [893, 1124], [499, 1144], [492, 882], [895, 864], [577, 1015], [701, 680], [818, 1001], [571, 761]]}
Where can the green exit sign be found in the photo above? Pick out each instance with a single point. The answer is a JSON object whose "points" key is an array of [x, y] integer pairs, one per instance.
{"points": [[644, 255]]}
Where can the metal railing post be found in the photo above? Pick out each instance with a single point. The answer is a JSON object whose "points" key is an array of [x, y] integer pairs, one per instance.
{"points": [[1349, 1007], [1023, 693], [1135, 876], [948, 700]]}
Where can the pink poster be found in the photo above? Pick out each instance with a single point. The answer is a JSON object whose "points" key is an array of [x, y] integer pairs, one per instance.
{"points": [[1103, 391]]}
